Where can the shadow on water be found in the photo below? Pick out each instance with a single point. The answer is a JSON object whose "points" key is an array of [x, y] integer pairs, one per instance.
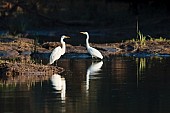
{"points": [[120, 84]]}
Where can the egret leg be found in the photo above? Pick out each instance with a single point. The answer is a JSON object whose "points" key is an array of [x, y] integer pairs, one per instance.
{"points": [[93, 57], [96, 59], [56, 63]]}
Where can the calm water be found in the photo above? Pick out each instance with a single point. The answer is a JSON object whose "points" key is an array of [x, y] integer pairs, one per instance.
{"points": [[118, 85]]}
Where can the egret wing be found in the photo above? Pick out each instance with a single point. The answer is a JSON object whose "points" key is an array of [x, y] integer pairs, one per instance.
{"points": [[95, 53], [55, 55]]}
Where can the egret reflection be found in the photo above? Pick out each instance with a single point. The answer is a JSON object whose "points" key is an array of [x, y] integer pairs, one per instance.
{"points": [[93, 70], [59, 85]]}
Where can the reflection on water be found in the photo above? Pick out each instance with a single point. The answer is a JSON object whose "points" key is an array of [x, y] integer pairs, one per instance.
{"points": [[141, 66], [59, 85], [93, 70], [109, 86]]}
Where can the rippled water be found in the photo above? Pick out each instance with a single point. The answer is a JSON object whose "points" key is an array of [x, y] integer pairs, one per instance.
{"points": [[117, 85]]}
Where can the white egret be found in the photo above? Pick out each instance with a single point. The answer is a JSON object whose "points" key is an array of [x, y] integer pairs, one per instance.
{"points": [[92, 51], [59, 84], [58, 51]]}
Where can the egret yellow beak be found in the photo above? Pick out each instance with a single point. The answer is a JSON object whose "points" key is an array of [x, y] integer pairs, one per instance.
{"points": [[82, 32], [67, 37]]}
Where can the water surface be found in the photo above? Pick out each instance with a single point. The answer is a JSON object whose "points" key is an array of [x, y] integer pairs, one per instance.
{"points": [[117, 85]]}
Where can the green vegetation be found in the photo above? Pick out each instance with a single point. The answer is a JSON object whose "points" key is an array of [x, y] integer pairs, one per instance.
{"points": [[142, 39]]}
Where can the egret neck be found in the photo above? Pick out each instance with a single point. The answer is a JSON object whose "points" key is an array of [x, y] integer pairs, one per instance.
{"points": [[63, 46], [87, 41]]}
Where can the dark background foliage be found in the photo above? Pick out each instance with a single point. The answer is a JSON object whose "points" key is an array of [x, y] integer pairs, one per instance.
{"points": [[118, 16]]}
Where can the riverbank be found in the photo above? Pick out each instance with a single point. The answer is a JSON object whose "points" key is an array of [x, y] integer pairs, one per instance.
{"points": [[25, 57]]}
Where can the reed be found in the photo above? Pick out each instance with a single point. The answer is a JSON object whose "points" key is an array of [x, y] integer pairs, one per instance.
{"points": [[142, 38]]}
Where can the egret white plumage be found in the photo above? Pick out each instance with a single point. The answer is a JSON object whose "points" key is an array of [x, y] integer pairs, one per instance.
{"points": [[58, 51], [92, 51]]}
